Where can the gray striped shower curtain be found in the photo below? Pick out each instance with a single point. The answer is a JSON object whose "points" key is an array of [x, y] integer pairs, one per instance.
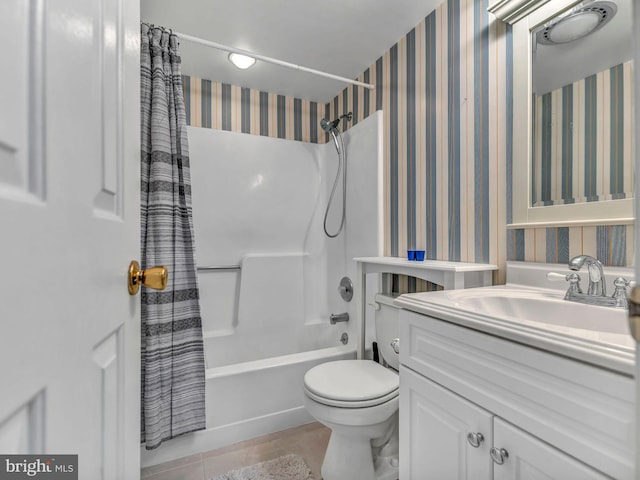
{"points": [[173, 375]]}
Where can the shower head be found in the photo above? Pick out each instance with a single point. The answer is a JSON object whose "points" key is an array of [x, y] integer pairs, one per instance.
{"points": [[332, 127], [328, 126]]}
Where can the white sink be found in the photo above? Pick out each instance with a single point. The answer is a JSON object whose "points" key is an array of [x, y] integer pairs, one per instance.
{"points": [[537, 317], [539, 306]]}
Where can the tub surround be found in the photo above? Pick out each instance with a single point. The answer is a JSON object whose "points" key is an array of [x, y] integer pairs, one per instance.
{"points": [[280, 299]]}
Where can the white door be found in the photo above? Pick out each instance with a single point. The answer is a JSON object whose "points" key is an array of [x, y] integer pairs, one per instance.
{"points": [[448, 436], [69, 225]]}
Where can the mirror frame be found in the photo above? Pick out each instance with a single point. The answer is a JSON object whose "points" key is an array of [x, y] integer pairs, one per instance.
{"points": [[605, 212]]}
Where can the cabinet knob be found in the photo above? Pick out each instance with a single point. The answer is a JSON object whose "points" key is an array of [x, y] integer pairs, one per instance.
{"points": [[498, 455], [475, 439]]}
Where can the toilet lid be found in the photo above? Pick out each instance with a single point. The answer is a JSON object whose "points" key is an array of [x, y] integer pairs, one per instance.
{"points": [[352, 381]]}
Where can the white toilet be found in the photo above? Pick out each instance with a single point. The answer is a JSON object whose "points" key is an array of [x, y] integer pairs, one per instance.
{"points": [[358, 400]]}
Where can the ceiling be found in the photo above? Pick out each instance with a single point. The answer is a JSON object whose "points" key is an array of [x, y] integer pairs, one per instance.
{"points": [[336, 36]]}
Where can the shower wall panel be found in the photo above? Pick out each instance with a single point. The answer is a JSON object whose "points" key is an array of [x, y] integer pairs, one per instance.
{"points": [[258, 207]]}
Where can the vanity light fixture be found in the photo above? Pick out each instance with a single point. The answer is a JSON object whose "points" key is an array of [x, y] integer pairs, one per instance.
{"points": [[580, 22], [241, 61]]}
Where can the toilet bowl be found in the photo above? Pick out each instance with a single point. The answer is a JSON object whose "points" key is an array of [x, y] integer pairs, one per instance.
{"points": [[358, 400]]}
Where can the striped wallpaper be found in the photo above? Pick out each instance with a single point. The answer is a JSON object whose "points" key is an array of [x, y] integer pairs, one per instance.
{"points": [[446, 92], [238, 109], [445, 89], [612, 244], [583, 140]]}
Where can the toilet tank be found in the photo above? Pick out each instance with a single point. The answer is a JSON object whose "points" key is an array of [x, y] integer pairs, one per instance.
{"points": [[387, 325]]}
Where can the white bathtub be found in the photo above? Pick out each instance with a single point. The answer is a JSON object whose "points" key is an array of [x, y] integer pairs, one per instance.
{"points": [[250, 399]]}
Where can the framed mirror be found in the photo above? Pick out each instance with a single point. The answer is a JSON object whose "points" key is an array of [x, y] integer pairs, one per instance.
{"points": [[573, 114]]}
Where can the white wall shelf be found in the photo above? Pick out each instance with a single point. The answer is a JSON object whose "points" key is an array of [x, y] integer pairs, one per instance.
{"points": [[451, 275]]}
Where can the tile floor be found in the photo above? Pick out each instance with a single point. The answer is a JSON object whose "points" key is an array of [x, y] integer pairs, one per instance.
{"points": [[309, 441]]}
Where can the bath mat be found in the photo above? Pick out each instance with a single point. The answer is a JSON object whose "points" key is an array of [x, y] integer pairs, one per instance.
{"points": [[287, 467]]}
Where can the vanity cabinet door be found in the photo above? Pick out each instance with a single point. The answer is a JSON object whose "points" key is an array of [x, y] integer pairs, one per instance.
{"points": [[434, 428], [531, 459]]}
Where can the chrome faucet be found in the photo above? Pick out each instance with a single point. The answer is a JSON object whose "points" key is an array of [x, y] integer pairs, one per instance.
{"points": [[597, 291], [597, 285]]}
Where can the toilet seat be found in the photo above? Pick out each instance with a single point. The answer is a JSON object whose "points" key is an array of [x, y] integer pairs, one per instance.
{"points": [[351, 384]]}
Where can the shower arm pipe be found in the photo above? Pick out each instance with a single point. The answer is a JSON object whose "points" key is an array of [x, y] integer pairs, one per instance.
{"points": [[274, 61]]}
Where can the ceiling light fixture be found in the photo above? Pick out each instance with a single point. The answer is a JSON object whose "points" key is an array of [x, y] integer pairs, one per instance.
{"points": [[580, 22], [241, 61]]}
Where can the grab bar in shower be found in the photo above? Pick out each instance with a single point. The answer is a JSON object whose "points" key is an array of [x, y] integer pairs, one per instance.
{"points": [[218, 267]]}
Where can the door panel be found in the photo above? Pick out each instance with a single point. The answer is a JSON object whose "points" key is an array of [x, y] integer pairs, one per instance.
{"points": [[22, 155]]}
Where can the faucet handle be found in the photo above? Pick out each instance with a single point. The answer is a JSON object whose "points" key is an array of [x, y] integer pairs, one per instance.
{"points": [[574, 285], [557, 277], [620, 293], [573, 279], [621, 283]]}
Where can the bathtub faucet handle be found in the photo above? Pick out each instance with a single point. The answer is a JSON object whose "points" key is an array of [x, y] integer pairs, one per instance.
{"points": [[339, 317]]}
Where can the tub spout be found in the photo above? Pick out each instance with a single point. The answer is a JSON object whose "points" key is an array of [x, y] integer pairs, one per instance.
{"points": [[340, 317]]}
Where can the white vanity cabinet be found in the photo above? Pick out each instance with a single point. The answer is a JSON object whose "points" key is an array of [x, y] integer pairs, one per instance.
{"points": [[434, 424], [451, 438], [555, 417]]}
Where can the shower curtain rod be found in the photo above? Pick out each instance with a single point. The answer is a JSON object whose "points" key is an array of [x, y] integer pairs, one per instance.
{"points": [[274, 61]]}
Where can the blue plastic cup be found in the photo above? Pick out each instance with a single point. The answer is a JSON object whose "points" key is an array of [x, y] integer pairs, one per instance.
{"points": [[419, 255], [411, 254]]}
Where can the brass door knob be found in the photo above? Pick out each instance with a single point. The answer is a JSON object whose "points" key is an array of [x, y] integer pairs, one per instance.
{"points": [[155, 277]]}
